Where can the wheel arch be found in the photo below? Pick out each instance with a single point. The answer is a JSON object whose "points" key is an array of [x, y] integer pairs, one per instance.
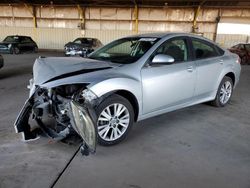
{"points": [[132, 99], [231, 75], [125, 87]]}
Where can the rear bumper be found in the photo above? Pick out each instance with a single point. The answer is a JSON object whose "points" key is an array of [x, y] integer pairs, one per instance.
{"points": [[1, 64], [5, 50]]}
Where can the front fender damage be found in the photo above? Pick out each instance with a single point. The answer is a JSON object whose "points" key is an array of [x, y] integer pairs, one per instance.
{"points": [[82, 120]]}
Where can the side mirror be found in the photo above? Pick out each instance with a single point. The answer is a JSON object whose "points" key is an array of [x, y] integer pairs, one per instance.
{"points": [[162, 59]]}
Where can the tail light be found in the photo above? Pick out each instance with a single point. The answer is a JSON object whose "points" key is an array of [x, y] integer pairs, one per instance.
{"points": [[238, 60]]}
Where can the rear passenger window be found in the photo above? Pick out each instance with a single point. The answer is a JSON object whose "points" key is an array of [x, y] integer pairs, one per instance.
{"points": [[26, 39], [204, 50]]}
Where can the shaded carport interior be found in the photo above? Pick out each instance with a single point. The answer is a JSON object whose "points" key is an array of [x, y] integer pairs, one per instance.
{"points": [[171, 150], [212, 3], [57, 22]]}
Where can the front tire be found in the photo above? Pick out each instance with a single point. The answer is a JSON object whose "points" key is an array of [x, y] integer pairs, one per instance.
{"points": [[16, 50], [115, 118], [224, 92]]}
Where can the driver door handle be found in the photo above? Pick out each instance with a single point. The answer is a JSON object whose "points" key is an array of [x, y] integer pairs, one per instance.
{"points": [[190, 69]]}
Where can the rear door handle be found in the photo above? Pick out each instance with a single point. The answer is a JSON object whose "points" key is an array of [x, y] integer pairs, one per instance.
{"points": [[190, 69], [221, 61]]}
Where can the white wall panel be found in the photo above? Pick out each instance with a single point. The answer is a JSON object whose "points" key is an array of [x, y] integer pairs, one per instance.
{"points": [[245, 13], [180, 14], [47, 12], [227, 41], [20, 22], [206, 27], [107, 36], [208, 15], [231, 12], [21, 11], [55, 38], [93, 25], [124, 13], [108, 13], [66, 12], [108, 25], [124, 25], [58, 25], [7, 22], [5, 11], [94, 13]]}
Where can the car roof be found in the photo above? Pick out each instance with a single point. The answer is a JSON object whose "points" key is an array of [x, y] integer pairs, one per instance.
{"points": [[86, 38], [165, 34], [153, 35], [18, 36], [171, 34]]}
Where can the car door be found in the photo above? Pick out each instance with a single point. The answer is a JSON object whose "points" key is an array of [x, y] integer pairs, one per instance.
{"points": [[31, 44], [169, 85], [23, 46], [209, 64]]}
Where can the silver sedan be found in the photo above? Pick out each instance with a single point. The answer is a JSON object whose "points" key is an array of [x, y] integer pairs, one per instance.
{"points": [[128, 80]]}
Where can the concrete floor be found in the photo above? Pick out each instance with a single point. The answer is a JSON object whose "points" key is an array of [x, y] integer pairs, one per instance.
{"points": [[199, 146]]}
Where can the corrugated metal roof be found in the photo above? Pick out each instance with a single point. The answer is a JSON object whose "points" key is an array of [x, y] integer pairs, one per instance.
{"points": [[170, 3]]}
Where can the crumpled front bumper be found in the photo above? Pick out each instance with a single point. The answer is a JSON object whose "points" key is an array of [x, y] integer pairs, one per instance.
{"points": [[21, 123], [82, 119]]}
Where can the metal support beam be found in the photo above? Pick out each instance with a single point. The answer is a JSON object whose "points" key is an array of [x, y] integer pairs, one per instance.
{"points": [[136, 11], [34, 16], [32, 10], [216, 27], [81, 12], [196, 14]]}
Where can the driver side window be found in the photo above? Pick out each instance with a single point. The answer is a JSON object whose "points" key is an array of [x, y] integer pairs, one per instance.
{"points": [[176, 48]]}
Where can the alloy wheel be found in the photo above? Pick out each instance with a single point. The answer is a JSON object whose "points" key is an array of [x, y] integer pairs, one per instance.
{"points": [[225, 92], [113, 122]]}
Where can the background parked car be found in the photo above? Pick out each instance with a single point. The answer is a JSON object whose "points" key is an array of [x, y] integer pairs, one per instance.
{"points": [[82, 46], [17, 44], [1, 61], [243, 51]]}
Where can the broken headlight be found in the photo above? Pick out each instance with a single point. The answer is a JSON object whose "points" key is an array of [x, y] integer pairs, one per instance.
{"points": [[88, 95]]}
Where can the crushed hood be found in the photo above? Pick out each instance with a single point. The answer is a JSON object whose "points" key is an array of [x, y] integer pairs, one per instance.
{"points": [[55, 68]]}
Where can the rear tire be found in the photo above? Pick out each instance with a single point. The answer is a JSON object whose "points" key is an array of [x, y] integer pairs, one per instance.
{"points": [[16, 50], [35, 50], [115, 118], [224, 92]]}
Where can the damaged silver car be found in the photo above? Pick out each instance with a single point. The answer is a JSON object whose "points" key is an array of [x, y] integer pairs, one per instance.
{"points": [[128, 80]]}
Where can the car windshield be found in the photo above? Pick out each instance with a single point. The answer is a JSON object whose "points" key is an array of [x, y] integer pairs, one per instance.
{"points": [[247, 47], [87, 41], [11, 39], [124, 51]]}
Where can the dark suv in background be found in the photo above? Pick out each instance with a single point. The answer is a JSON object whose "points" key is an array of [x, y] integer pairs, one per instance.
{"points": [[82, 46], [17, 44]]}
